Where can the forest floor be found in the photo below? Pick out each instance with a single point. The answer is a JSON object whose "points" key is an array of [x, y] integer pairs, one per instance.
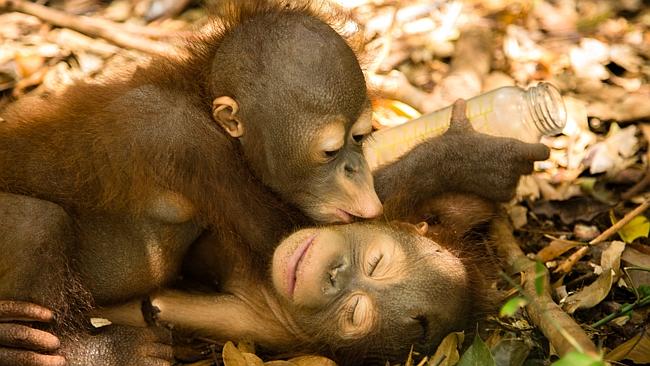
{"points": [[579, 219]]}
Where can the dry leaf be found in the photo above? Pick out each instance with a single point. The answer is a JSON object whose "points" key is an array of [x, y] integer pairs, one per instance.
{"points": [[555, 249], [636, 349], [232, 356], [589, 59], [559, 18], [252, 359], [519, 45], [613, 154], [625, 56], [611, 257], [634, 256], [571, 210], [593, 294], [448, 350]]}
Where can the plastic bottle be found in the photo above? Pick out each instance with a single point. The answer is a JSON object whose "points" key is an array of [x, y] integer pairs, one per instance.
{"points": [[510, 111]]}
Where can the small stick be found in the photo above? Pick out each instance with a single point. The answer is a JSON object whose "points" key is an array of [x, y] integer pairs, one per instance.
{"points": [[89, 26], [566, 266], [559, 328], [622, 222]]}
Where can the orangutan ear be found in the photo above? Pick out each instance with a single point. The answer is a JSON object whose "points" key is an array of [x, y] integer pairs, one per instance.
{"points": [[224, 111], [422, 228]]}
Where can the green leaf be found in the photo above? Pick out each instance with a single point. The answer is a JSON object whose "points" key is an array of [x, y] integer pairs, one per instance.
{"points": [[478, 354], [579, 359], [539, 277], [638, 227], [512, 305]]}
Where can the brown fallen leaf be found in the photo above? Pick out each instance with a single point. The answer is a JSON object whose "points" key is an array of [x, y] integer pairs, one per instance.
{"points": [[615, 153], [556, 248], [596, 292], [571, 210], [634, 256], [252, 359], [232, 356], [630, 107], [636, 349], [447, 352]]}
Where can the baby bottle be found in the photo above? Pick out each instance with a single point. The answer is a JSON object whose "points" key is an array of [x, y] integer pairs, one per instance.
{"points": [[524, 114]]}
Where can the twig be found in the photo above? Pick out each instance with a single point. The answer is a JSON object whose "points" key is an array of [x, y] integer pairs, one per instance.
{"points": [[622, 222], [559, 328], [89, 26], [626, 309], [566, 266]]}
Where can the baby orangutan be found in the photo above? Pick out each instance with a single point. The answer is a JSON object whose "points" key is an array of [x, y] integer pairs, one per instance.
{"points": [[361, 293]]}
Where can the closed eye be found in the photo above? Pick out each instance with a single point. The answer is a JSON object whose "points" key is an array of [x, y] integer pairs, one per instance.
{"points": [[373, 264], [349, 310], [330, 154]]}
